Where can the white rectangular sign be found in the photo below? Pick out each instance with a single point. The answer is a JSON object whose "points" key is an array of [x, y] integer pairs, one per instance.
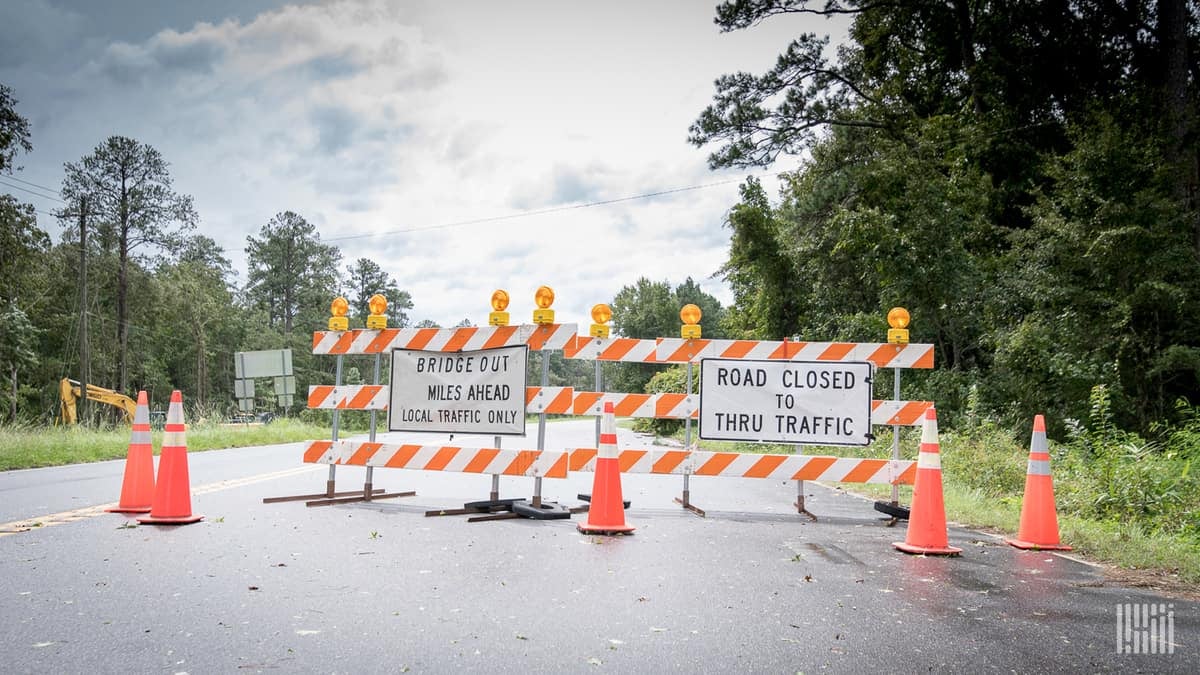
{"points": [[801, 402], [477, 392]]}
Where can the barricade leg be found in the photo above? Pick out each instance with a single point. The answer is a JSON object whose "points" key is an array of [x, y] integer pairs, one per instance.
{"points": [[685, 502]]}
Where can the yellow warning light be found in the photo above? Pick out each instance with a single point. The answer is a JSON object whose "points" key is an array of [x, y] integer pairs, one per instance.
{"points": [[499, 300], [338, 309], [499, 317], [898, 319], [601, 314], [690, 315], [378, 317], [543, 297]]}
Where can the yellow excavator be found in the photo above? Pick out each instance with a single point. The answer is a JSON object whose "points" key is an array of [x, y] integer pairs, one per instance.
{"points": [[69, 393]]}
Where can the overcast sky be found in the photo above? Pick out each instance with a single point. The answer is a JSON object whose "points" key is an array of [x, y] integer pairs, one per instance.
{"points": [[393, 125]]}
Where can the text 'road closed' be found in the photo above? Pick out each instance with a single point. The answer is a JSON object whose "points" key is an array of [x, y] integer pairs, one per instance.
{"points": [[801, 402]]}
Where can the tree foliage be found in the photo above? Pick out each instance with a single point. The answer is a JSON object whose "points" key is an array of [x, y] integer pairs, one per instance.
{"points": [[290, 271], [14, 131], [1040, 223], [123, 190], [366, 278]]}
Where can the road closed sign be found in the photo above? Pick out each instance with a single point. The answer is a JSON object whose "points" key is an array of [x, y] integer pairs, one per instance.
{"points": [[800, 402], [475, 392]]}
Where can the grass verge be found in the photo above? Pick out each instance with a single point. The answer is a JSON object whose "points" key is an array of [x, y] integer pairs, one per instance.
{"points": [[32, 447], [983, 484]]}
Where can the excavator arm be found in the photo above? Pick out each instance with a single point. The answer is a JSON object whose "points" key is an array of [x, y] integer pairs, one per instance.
{"points": [[69, 393]]}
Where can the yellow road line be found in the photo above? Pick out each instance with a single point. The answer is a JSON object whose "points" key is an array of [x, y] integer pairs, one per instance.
{"points": [[24, 525]]}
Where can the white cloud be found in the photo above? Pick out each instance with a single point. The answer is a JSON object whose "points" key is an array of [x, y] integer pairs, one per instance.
{"points": [[383, 119]]}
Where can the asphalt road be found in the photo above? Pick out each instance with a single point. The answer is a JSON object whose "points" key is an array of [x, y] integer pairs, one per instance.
{"points": [[379, 587]]}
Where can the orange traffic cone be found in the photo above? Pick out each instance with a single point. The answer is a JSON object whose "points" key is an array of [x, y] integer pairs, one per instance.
{"points": [[137, 489], [173, 494], [606, 515], [927, 520], [1039, 517]]}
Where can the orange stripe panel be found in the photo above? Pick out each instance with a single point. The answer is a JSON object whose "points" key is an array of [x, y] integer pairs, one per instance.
{"points": [[363, 454], [619, 347], [500, 337], [813, 468], [908, 476], [739, 348], [520, 465], [836, 351], [318, 395], [786, 350], [629, 404], [316, 340], [717, 463], [585, 400], [402, 456], [422, 338], [561, 404], [666, 404], [926, 360], [530, 394], [911, 412], [541, 335], [884, 354], [460, 337], [382, 340], [441, 458], [344, 342], [315, 449], [576, 345], [480, 461], [628, 458], [763, 467], [865, 469], [580, 457], [669, 460], [363, 398], [687, 350], [559, 469]]}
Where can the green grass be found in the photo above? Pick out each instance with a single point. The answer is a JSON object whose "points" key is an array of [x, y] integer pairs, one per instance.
{"points": [[983, 478], [23, 447]]}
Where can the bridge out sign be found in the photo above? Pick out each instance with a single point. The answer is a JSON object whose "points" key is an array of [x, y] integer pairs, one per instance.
{"points": [[477, 392], [800, 402]]}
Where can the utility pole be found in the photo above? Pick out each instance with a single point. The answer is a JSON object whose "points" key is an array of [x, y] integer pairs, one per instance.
{"points": [[85, 364]]}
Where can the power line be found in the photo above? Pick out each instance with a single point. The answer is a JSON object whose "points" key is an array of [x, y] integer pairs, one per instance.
{"points": [[36, 194], [542, 212], [47, 189]]}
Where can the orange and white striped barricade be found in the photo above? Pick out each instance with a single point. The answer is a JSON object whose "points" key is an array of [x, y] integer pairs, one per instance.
{"points": [[493, 461], [370, 341], [567, 401], [341, 343], [629, 350], [883, 355], [746, 465]]}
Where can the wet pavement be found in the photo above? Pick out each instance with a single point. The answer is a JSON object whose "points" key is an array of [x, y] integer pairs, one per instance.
{"points": [[379, 587]]}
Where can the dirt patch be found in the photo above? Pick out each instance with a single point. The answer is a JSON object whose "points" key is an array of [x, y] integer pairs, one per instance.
{"points": [[1160, 581]]}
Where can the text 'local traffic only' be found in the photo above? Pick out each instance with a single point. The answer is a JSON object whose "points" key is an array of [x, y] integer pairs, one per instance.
{"points": [[801, 402], [479, 391]]}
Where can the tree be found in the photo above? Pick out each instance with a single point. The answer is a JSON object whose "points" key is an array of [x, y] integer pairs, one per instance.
{"points": [[128, 194], [650, 309], [17, 344], [364, 279], [14, 131], [290, 271], [1019, 211], [197, 296]]}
